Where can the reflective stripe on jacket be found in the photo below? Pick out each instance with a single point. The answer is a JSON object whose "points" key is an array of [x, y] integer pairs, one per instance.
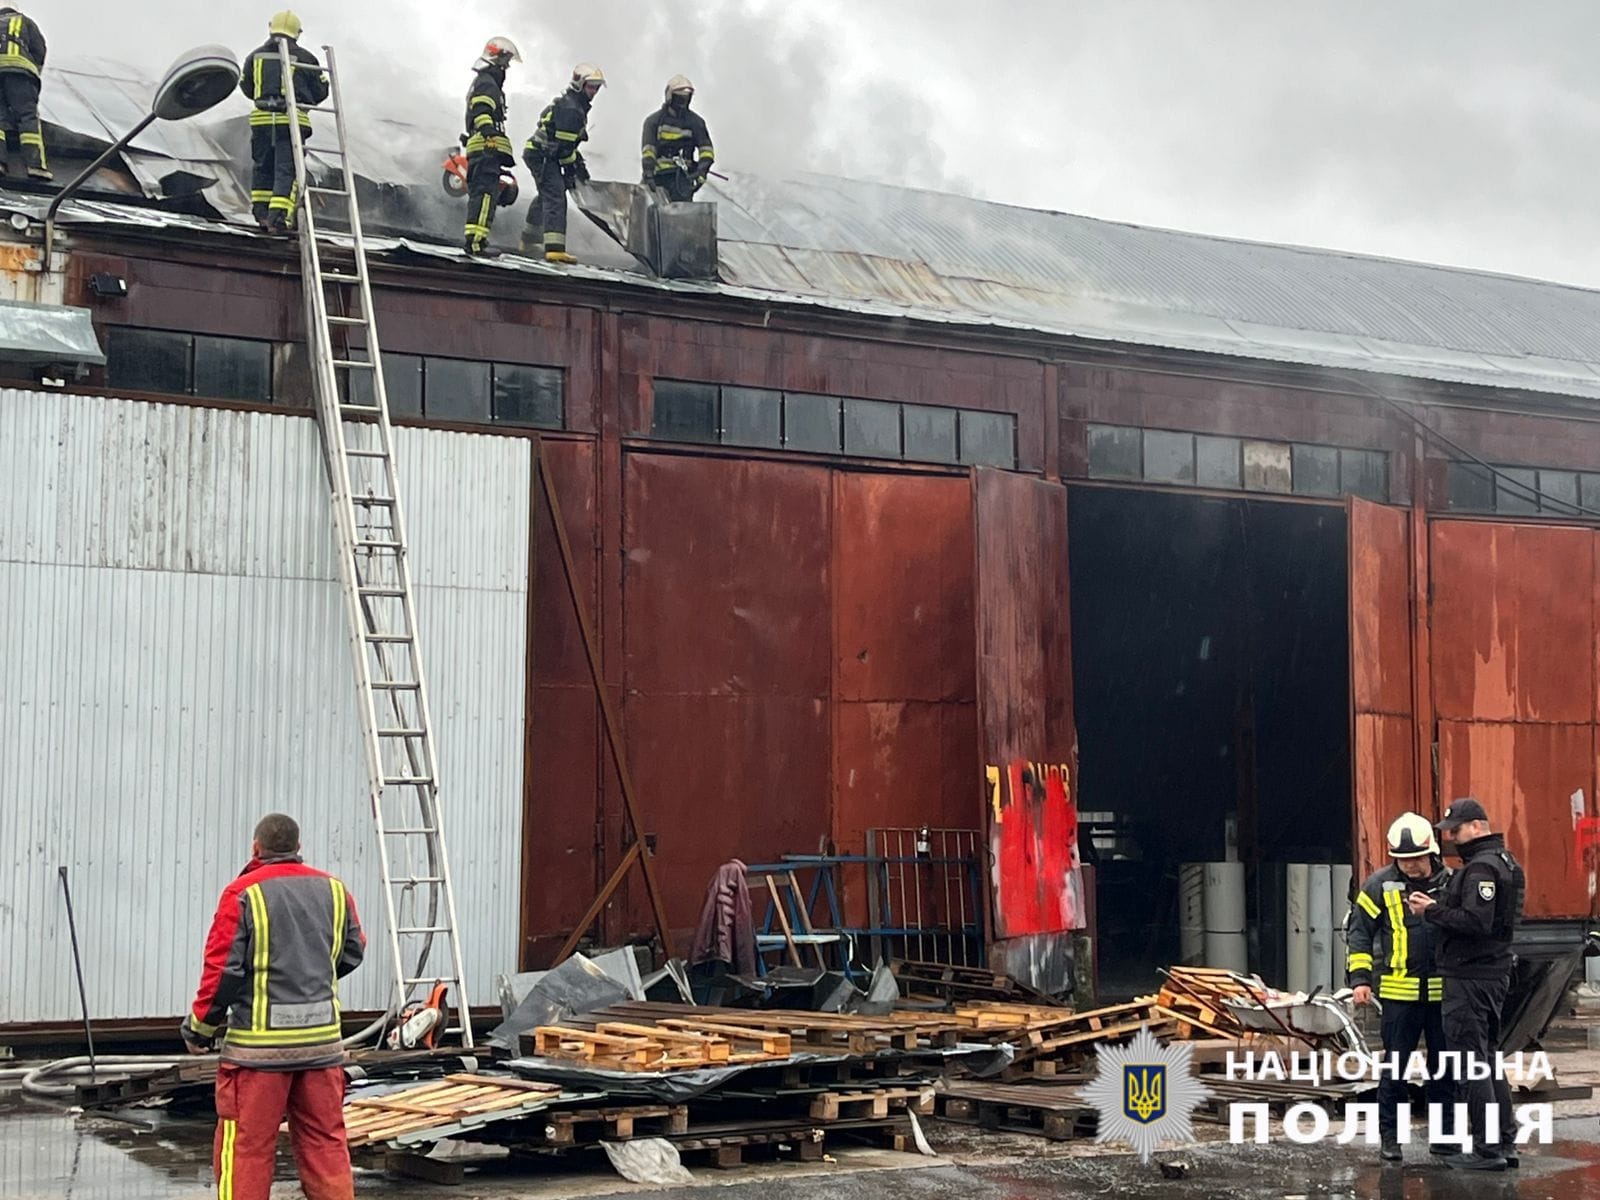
{"points": [[261, 81], [675, 138], [1385, 939], [22, 46], [284, 934]]}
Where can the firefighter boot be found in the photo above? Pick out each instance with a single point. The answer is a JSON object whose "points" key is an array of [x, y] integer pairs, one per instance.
{"points": [[558, 256]]}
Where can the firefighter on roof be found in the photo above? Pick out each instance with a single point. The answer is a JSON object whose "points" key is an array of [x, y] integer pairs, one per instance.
{"points": [[273, 191], [677, 153], [21, 62], [488, 147], [1392, 951], [554, 156]]}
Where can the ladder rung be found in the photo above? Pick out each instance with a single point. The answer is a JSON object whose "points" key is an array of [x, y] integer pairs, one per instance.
{"points": [[403, 781], [351, 362], [359, 408], [402, 733], [379, 546], [419, 830], [409, 982], [398, 685], [404, 879], [396, 638], [423, 929], [366, 454], [332, 320], [338, 277], [393, 592], [373, 501], [312, 189]]}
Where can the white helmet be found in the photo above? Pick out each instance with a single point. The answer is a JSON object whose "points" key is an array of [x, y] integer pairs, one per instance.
{"points": [[498, 52], [584, 74], [679, 85], [1411, 836]]}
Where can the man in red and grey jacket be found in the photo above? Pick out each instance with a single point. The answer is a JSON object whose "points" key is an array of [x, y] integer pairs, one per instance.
{"points": [[283, 936]]}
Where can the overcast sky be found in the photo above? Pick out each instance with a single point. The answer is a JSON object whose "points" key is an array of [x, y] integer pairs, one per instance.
{"points": [[1453, 131]]}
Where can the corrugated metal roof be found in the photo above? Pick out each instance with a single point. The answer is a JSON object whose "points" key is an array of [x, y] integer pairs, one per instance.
{"points": [[174, 662], [881, 250]]}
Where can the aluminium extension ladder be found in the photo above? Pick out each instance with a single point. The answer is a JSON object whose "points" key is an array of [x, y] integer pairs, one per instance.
{"points": [[374, 569]]}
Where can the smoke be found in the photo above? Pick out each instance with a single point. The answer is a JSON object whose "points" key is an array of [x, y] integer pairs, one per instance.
{"points": [[1456, 131]]}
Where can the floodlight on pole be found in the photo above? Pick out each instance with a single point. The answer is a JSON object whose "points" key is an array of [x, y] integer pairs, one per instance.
{"points": [[199, 80]]}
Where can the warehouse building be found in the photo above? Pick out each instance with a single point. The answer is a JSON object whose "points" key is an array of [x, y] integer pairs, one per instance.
{"points": [[1243, 549]]}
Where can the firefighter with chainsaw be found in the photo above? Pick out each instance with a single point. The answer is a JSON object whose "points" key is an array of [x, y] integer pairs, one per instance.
{"points": [[1477, 918], [677, 153], [555, 157], [21, 65], [489, 155], [1392, 953], [273, 190], [284, 934]]}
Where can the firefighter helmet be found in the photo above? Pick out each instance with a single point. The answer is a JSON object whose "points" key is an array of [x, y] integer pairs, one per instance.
{"points": [[679, 85], [284, 24], [1411, 836], [508, 190], [586, 73], [498, 52]]}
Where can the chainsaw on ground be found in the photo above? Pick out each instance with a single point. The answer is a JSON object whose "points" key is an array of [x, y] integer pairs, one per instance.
{"points": [[421, 1023]]}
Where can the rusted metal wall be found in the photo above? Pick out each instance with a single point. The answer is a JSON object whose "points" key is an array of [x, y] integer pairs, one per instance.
{"points": [[1380, 675], [1026, 735], [1514, 676]]}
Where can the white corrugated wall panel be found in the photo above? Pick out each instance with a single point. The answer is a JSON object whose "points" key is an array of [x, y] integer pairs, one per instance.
{"points": [[174, 662]]}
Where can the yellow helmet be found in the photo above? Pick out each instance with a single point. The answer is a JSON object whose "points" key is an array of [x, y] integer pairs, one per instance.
{"points": [[284, 24], [1411, 836]]}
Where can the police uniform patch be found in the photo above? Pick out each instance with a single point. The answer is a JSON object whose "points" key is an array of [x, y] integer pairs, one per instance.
{"points": [[1486, 890]]}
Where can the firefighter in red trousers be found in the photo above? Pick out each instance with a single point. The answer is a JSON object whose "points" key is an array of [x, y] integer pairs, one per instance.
{"points": [[283, 936]]}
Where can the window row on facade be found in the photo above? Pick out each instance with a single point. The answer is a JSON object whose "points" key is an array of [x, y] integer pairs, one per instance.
{"points": [[1121, 452], [721, 414], [1522, 491], [442, 389]]}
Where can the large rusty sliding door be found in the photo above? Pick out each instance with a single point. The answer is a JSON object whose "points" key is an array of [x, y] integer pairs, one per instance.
{"points": [[1025, 728]]}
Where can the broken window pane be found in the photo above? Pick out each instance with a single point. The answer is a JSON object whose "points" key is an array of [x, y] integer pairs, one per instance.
{"points": [[1266, 467], [232, 369], [811, 423], [1114, 452], [1471, 487], [1216, 461], [1515, 490], [684, 412], [931, 433], [148, 360], [752, 417], [455, 389], [872, 428], [1560, 488], [1168, 457], [529, 395], [1316, 471], [1364, 473], [988, 439]]}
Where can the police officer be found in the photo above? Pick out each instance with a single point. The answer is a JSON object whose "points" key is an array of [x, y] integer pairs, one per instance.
{"points": [[677, 152], [1388, 941], [488, 148], [273, 190], [1477, 918], [22, 52], [554, 157]]}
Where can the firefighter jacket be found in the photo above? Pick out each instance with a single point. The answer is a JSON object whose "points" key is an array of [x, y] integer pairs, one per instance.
{"points": [[283, 936], [261, 81], [23, 48], [563, 127], [486, 114], [1388, 941], [1478, 914], [676, 139]]}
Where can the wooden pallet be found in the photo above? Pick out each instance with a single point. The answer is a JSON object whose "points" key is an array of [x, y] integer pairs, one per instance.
{"points": [[849, 1034], [1018, 1108], [449, 1103], [570, 1127], [871, 1103], [992, 1015], [965, 983]]}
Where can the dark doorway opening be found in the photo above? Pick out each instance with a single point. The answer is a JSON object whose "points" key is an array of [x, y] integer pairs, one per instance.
{"points": [[1211, 689]]}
